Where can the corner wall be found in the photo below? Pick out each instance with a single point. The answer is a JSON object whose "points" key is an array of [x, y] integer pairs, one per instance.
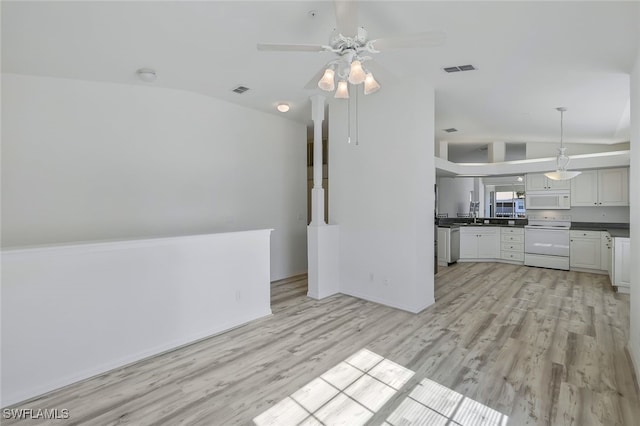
{"points": [[86, 161], [634, 201], [382, 195]]}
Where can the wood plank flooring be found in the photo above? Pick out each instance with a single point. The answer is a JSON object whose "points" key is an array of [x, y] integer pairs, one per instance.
{"points": [[543, 347]]}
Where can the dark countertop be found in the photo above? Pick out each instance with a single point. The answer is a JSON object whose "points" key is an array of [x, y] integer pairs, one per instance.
{"points": [[481, 225], [616, 230]]}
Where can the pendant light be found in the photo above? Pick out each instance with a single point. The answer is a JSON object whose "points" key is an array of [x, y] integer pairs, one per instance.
{"points": [[562, 160]]}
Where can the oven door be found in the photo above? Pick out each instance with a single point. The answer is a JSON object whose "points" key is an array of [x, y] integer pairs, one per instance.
{"points": [[552, 242]]}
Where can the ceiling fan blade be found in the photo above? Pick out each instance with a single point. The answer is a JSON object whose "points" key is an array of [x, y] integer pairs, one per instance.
{"points": [[426, 39], [346, 17], [291, 47]]}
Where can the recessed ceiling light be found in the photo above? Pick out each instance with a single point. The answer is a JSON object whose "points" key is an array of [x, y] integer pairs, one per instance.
{"points": [[283, 107], [147, 75], [450, 130]]}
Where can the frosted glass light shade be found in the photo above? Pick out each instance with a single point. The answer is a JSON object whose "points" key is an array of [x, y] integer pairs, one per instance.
{"points": [[147, 75], [326, 83], [562, 174], [343, 90], [356, 74], [370, 84]]}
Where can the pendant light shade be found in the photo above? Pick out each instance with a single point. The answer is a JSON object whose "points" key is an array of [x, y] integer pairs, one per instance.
{"points": [[343, 90], [562, 160], [327, 83], [356, 74], [370, 84]]}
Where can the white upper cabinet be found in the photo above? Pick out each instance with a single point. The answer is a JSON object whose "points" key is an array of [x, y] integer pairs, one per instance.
{"points": [[539, 182], [613, 187], [604, 187]]}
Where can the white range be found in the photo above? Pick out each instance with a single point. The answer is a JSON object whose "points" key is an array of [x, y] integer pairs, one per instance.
{"points": [[546, 241]]}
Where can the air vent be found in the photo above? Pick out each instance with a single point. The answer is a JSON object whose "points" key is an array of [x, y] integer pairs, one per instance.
{"points": [[460, 68], [239, 89], [451, 130]]}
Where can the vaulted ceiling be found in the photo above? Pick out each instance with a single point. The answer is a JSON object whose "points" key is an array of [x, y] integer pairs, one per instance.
{"points": [[530, 56]]}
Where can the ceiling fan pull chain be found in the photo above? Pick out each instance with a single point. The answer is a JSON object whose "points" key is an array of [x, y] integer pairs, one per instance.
{"points": [[357, 123], [349, 120]]}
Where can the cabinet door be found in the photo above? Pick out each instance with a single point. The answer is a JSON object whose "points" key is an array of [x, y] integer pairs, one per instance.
{"points": [[443, 246], [489, 244], [584, 189], [584, 253], [622, 259], [536, 182], [558, 184], [468, 245], [613, 187]]}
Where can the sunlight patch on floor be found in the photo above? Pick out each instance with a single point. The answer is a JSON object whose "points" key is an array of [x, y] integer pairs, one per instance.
{"points": [[353, 391]]}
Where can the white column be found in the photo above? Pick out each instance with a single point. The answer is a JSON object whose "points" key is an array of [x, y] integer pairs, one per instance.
{"points": [[444, 150], [317, 193], [323, 241], [497, 152]]}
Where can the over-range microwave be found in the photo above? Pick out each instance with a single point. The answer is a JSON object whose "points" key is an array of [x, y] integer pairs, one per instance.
{"points": [[548, 200]]}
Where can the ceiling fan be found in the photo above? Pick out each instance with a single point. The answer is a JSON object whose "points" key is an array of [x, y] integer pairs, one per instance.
{"points": [[353, 51]]}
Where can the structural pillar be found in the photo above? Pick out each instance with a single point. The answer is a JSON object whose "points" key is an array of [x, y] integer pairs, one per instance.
{"points": [[323, 243], [497, 151], [443, 151], [317, 192]]}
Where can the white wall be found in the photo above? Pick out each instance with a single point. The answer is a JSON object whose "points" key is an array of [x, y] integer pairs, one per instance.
{"points": [[542, 150], [453, 195], [599, 214], [71, 312], [634, 192], [381, 195], [85, 161]]}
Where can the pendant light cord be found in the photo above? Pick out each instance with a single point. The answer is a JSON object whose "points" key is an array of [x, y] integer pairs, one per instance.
{"points": [[561, 127]]}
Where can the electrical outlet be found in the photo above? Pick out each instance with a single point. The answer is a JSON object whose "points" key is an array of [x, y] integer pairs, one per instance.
{"points": [[238, 295], [371, 276]]}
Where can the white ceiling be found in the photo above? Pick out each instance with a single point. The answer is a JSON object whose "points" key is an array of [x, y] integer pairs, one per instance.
{"points": [[530, 56]]}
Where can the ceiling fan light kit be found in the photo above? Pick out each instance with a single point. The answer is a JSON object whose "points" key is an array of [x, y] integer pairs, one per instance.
{"points": [[357, 74], [327, 82], [562, 160], [343, 90], [348, 68], [370, 84]]}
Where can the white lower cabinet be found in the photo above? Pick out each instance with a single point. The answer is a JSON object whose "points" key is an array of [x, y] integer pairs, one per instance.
{"points": [[477, 242], [622, 264], [584, 249], [512, 244]]}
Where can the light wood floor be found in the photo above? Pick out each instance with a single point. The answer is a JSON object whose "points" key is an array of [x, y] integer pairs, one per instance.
{"points": [[540, 346]]}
